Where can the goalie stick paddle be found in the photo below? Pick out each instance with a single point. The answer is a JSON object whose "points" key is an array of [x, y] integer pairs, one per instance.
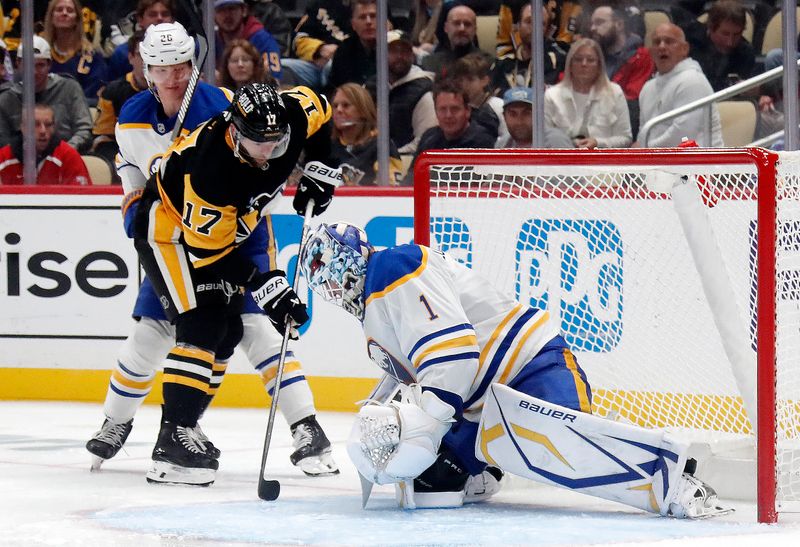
{"points": [[270, 489], [202, 42]]}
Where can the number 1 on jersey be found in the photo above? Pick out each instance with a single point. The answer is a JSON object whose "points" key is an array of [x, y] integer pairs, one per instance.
{"points": [[431, 314]]}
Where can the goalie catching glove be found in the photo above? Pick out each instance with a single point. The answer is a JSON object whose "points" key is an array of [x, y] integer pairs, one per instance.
{"points": [[318, 183], [399, 440], [272, 293]]}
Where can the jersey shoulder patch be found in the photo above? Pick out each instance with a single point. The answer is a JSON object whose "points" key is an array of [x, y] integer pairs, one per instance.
{"points": [[391, 268], [138, 109]]}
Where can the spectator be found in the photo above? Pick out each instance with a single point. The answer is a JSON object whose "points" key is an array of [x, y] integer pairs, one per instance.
{"points": [[425, 14], [62, 93], [409, 92], [455, 129], [72, 53], [270, 14], [56, 161], [586, 105], [513, 69], [628, 62], [560, 25], [518, 115], [354, 60], [113, 97], [321, 30], [148, 12], [241, 65], [679, 80], [460, 28], [6, 68], [355, 141], [723, 54], [471, 73], [234, 21]]}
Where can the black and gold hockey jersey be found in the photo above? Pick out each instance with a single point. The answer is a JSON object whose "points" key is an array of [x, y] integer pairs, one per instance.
{"points": [[212, 200]]}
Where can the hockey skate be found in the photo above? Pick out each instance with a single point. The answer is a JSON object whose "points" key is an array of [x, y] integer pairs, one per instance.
{"points": [[212, 450], [180, 457], [694, 499], [105, 444], [483, 486], [312, 452]]}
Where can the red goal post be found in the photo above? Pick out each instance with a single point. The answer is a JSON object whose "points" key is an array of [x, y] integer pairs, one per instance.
{"points": [[674, 273]]}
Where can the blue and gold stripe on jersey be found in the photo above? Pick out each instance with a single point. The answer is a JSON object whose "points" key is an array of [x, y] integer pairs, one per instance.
{"points": [[514, 341], [452, 344]]}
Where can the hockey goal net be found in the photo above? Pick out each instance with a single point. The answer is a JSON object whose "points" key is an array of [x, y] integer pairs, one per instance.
{"points": [[674, 275]]}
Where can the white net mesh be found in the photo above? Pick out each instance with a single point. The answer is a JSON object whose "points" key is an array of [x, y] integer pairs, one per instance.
{"points": [[607, 257]]}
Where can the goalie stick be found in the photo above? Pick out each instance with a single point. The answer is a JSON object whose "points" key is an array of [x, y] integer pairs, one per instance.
{"points": [[202, 42], [270, 489]]}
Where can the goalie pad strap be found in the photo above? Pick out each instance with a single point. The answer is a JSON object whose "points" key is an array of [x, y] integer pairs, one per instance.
{"points": [[556, 445]]}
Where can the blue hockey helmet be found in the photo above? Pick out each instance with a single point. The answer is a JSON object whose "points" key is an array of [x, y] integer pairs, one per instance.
{"points": [[334, 262]]}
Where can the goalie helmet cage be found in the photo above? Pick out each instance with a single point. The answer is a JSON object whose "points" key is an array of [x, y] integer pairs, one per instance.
{"points": [[674, 275]]}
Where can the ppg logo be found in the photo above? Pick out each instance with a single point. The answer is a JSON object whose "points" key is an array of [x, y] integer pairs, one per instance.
{"points": [[573, 269], [450, 235]]}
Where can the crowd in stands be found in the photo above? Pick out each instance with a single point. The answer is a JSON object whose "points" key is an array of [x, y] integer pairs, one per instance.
{"points": [[606, 72]]}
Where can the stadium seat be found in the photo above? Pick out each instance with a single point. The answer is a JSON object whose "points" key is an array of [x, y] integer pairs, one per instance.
{"points": [[99, 170], [653, 18], [738, 120], [773, 34], [487, 33]]}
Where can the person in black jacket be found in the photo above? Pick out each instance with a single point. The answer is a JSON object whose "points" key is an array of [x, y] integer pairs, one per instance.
{"points": [[354, 60], [455, 129]]}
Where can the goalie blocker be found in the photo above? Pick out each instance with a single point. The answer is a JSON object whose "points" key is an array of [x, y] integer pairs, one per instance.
{"points": [[551, 444]]}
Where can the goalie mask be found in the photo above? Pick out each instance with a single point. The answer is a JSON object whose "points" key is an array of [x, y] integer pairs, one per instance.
{"points": [[334, 263], [261, 122], [165, 50]]}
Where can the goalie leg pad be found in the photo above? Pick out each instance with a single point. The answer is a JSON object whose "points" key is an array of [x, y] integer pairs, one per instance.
{"points": [[555, 445]]}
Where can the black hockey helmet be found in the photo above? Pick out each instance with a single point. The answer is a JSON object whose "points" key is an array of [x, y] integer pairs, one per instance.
{"points": [[258, 113]]}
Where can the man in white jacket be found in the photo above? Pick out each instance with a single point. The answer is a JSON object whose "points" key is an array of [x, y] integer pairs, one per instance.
{"points": [[679, 80]]}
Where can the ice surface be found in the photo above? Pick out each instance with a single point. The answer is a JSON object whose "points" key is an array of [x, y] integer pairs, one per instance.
{"points": [[49, 497]]}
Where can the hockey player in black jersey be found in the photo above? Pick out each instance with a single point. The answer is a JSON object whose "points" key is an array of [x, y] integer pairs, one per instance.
{"points": [[209, 193]]}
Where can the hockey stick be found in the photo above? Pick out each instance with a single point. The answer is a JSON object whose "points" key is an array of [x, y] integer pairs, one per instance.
{"points": [[270, 489], [202, 42]]}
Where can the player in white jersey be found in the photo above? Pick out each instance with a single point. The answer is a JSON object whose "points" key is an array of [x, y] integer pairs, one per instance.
{"points": [[482, 378], [144, 134]]}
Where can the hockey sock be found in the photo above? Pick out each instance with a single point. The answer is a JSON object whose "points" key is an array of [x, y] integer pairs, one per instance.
{"points": [[297, 402], [187, 377], [126, 392]]}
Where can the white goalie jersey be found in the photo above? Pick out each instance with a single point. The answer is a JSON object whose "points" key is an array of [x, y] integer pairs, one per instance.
{"points": [[431, 320]]}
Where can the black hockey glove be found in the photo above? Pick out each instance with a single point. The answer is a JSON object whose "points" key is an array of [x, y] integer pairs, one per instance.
{"points": [[272, 292], [318, 183]]}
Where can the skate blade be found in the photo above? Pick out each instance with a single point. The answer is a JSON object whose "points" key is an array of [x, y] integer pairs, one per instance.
{"points": [[97, 462], [167, 473], [714, 512], [318, 466]]}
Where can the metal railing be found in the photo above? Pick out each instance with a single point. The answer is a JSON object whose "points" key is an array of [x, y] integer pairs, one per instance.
{"points": [[726, 93]]}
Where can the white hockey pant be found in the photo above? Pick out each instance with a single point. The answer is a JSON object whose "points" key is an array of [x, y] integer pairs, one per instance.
{"points": [[555, 445]]}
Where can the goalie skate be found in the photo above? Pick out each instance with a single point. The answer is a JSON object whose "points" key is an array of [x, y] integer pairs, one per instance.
{"points": [[180, 457], [482, 487], [312, 452], [694, 499], [105, 444]]}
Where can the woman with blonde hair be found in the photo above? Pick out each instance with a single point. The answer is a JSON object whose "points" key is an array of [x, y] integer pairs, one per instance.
{"points": [[591, 109], [355, 142], [426, 15], [72, 53], [241, 65]]}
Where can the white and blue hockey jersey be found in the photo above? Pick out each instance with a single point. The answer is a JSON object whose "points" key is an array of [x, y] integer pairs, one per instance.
{"points": [[143, 134], [430, 319]]}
